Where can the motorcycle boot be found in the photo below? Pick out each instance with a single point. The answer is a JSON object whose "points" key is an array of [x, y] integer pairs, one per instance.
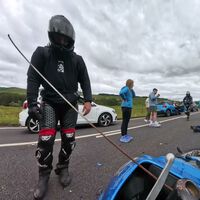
{"points": [[42, 186], [64, 177]]}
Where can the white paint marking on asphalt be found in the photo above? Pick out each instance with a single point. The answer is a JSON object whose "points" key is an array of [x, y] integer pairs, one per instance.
{"points": [[116, 132], [107, 133], [35, 142], [10, 128], [57, 140], [18, 144]]}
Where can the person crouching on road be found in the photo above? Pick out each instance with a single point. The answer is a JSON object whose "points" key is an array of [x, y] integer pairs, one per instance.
{"points": [[153, 96], [127, 94]]}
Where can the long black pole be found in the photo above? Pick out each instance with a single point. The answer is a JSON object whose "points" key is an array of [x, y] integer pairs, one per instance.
{"points": [[109, 140]]}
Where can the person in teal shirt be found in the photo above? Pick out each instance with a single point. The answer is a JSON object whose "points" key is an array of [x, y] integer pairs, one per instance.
{"points": [[127, 94]]}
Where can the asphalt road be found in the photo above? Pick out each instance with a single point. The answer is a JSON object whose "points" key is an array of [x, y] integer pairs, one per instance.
{"points": [[94, 160]]}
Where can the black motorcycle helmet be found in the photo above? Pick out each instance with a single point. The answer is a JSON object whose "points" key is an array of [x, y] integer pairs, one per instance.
{"points": [[61, 33], [188, 93]]}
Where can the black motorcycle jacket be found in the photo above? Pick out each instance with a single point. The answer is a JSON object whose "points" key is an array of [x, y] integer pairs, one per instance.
{"points": [[64, 70], [187, 101]]}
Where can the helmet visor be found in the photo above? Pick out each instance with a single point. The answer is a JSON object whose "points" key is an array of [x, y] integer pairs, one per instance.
{"points": [[60, 40]]}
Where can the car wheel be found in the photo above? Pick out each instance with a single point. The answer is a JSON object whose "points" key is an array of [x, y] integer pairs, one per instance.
{"points": [[105, 119], [33, 125], [168, 113]]}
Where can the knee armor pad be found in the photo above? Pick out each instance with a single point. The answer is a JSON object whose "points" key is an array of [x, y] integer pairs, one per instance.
{"points": [[68, 143], [44, 158], [68, 147], [65, 152], [44, 151], [68, 133], [73, 144]]}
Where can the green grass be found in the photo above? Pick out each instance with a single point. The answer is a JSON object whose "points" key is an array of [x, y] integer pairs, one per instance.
{"points": [[137, 111], [9, 115], [114, 101]]}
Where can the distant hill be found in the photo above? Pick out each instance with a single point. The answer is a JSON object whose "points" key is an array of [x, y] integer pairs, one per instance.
{"points": [[12, 90], [14, 95]]}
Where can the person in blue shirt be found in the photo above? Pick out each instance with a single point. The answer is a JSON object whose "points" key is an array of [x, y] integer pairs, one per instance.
{"points": [[127, 94], [153, 96]]}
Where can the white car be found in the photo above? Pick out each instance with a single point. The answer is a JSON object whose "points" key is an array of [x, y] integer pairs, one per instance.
{"points": [[102, 115]]}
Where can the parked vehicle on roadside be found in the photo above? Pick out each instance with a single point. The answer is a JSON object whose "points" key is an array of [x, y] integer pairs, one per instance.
{"points": [[101, 115], [167, 109]]}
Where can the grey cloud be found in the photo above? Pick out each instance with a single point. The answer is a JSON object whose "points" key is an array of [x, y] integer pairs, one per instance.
{"points": [[155, 43]]}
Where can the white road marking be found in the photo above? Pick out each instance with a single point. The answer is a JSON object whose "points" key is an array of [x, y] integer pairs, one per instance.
{"points": [[10, 128], [98, 135], [18, 144], [35, 142], [116, 132]]}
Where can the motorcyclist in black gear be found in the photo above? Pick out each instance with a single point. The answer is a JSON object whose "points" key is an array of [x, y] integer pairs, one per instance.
{"points": [[64, 69], [187, 102]]}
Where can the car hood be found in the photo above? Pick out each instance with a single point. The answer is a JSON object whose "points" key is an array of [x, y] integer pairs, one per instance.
{"points": [[180, 169]]}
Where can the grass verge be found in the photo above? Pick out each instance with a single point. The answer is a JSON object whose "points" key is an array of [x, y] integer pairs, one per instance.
{"points": [[9, 115]]}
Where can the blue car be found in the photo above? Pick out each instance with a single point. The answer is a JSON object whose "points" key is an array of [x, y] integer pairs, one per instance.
{"points": [[175, 181], [167, 109]]}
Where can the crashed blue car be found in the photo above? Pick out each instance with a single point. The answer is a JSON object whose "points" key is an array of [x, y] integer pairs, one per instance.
{"points": [[179, 180], [167, 109]]}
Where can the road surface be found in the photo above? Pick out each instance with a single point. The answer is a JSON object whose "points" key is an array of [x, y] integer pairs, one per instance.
{"points": [[94, 160]]}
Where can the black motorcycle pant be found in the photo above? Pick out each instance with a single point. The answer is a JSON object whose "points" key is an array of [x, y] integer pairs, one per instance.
{"points": [[187, 112], [51, 114]]}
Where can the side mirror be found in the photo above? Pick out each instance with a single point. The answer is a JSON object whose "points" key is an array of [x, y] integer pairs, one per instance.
{"points": [[93, 104]]}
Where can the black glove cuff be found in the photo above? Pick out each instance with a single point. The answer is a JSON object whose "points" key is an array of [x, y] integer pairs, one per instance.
{"points": [[32, 104], [87, 100]]}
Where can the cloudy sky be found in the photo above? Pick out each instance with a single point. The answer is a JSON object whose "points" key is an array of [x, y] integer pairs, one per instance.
{"points": [[154, 42]]}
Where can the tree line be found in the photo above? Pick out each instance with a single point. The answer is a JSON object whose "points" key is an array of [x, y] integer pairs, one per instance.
{"points": [[16, 99], [12, 99]]}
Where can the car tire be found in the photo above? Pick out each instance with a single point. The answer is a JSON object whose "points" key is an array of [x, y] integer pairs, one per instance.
{"points": [[105, 119], [168, 113], [32, 125]]}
